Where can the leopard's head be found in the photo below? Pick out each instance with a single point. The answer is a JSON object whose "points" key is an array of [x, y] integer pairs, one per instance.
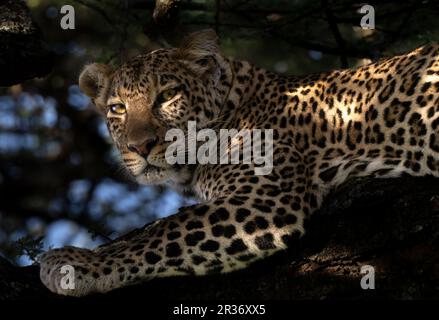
{"points": [[152, 93]]}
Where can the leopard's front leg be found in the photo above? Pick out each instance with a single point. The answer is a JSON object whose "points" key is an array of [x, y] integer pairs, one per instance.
{"points": [[222, 235]]}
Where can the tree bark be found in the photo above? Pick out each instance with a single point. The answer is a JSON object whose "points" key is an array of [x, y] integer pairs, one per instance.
{"points": [[23, 55], [390, 224]]}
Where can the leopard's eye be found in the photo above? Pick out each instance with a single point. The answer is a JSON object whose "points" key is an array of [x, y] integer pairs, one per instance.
{"points": [[118, 108], [167, 95]]}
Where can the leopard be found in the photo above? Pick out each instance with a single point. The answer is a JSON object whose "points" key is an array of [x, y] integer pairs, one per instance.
{"points": [[378, 120]]}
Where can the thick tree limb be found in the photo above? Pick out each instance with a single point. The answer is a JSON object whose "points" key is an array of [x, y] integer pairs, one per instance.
{"points": [[165, 11], [390, 224], [22, 54]]}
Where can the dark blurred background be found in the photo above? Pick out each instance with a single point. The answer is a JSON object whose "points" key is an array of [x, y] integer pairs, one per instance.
{"points": [[60, 180]]}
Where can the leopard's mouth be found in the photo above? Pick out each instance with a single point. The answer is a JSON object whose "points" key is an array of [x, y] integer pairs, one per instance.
{"points": [[153, 167]]}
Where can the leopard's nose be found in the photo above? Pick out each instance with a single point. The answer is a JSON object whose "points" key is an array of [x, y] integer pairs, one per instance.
{"points": [[143, 148]]}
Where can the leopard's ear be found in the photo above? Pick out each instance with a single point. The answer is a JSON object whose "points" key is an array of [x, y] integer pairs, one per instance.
{"points": [[200, 52], [94, 78]]}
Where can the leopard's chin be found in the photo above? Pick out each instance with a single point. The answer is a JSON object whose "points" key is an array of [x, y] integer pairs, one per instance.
{"points": [[155, 175], [157, 157]]}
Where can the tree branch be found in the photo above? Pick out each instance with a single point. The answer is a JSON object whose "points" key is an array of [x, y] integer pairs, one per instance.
{"points": [[22, 54], [390, 224], [341, 43]]}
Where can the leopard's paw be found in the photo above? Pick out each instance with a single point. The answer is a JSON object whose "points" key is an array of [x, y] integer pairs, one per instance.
{"points": [[69, 271]]}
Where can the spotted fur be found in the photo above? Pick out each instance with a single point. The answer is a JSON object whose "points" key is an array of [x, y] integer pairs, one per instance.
{"points": [[381, 119]]}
